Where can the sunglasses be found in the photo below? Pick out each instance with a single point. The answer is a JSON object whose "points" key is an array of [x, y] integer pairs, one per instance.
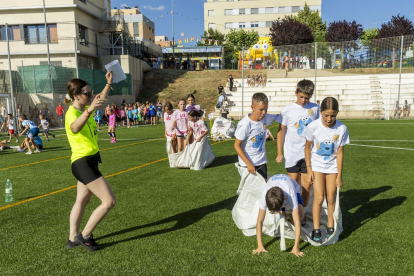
{"points": [[88, 93]]}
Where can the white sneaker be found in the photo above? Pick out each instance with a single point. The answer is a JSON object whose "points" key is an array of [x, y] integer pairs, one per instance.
{"points": [[17, 141], [8, 141], [38, 150], [29, 152], [1, 148]]}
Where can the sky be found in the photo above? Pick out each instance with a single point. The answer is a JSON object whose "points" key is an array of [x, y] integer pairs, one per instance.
{"points": [[368, 13]]}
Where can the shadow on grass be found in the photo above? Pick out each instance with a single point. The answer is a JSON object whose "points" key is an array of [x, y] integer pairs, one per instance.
{"points": [[224, 160], [367, 210], [47, 149], [183, 220]]}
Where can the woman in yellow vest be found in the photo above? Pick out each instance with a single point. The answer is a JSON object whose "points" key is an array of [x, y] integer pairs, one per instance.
{"points": [[81, 130]]}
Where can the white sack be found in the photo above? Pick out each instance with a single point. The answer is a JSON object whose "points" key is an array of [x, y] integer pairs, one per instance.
{"points": [[195, 156], [170, 152], [246, 210], [223, 128]]}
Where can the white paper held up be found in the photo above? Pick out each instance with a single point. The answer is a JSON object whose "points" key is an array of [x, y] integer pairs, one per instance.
{"points": [[117, 72]]}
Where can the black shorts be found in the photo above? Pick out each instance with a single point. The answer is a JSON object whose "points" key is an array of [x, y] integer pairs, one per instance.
{"points": [[300, 167], [262, 170], [86, 169]]}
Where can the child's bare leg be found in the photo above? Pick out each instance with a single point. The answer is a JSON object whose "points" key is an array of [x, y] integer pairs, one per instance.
{"points": [[331, 196], [46, 135], [83, 196], [180, 143], [305, 189], [174, 144], [27, 144], [319, 195]]}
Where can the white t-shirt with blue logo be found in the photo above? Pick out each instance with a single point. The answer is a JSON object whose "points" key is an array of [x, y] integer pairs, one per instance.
{"points": [[289, 187], [325, 144], [253, 137], [29, 123], [296, 118]]}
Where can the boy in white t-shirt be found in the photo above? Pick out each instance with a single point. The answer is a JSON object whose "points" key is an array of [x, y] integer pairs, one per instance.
{"points": [[293, 120], [10, 125], [45, 124], [250, 134], [280, 190]]}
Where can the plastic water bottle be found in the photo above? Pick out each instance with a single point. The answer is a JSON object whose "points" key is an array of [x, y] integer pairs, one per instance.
{"points": [[8, 191]]}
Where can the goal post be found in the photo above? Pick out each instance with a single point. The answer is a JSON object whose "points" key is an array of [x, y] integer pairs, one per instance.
{"points": [[398, 100]]}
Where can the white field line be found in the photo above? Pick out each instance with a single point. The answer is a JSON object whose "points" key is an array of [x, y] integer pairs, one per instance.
{"points": [[369, 146]]}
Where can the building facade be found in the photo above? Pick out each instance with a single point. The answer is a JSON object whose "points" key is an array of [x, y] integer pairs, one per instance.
{"points": [[257, 15], [140, 28]]}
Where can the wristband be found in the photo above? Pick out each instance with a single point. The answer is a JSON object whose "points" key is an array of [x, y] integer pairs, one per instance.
{"points": [[110, 86], [88, 114]]}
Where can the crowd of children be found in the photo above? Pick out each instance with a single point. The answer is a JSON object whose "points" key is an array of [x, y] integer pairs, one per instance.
{"points": [[312, 140], [256, 81]]}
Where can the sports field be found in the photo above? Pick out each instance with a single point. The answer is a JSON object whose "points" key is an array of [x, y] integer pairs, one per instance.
{"points": [[175, 222]]}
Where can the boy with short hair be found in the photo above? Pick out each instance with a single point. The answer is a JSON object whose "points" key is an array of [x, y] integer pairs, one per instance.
{"points": [[293, 120], [10, 125], [45, 124], [280, 190], [250, 134], [32, 132]]}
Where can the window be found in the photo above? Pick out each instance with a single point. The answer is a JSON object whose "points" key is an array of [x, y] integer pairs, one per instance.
{"points": [[242, 11], [13, 33], [135, 28], [36, 34], [254, 11], [295, 9], [211, 13], [269, 24], [54, 63], [211, 25], [242, 25], [83, 35], [228, 25], [228, 12], [269, 10], [254, 24], [282, 9]]}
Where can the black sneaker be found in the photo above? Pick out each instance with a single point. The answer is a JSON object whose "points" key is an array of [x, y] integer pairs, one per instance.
{"points": [[329, 232], [88, 243], [71, 244], [316, 236]]}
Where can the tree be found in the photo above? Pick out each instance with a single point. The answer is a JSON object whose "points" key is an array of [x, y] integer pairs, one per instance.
{"points": [[313, 20], [396, 27], [346, 33], [241, 38], [366, 40], [289, 32]]}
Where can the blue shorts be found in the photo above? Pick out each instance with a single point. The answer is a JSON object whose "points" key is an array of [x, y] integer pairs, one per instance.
{"points": [[46, 131], [61, 117], [33, 133], [300, 201]]}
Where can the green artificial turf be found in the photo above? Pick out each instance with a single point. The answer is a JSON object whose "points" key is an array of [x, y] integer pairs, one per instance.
{"points": [[178, 222]]}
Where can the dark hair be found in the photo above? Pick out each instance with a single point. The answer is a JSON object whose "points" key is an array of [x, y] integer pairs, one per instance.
{"points": [[274, 199], [260, 97], [23, 117], [168, 105], [10, 114], [329, 103], [190, 96], [74, 87], [195, 113], [305, 86]]}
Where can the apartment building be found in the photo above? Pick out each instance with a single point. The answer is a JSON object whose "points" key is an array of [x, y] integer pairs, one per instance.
{"points": [[140, 28], [256, 15], [66, 19], [161, 40]]}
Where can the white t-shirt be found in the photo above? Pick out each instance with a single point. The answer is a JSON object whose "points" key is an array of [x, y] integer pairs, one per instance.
{"points": [[325, 144], [3, 111], [10, 124], [44, 124], [296, 118], [289, 187], [253, 137]]}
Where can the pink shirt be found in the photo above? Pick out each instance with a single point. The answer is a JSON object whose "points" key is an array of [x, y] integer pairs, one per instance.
{"points": [[168, 120], [198, 128], [112, 120], [192, 107], [181, 118], [122, 113]]}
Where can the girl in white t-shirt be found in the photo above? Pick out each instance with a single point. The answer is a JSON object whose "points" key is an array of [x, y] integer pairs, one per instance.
{"points": [[169, 125], [180, 125], [196, 127], [324, 155]]}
